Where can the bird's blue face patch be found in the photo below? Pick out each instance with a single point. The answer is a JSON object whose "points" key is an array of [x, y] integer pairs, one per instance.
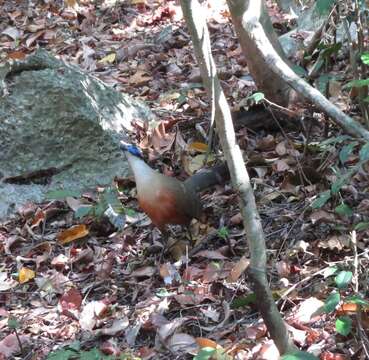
{"points": [[132, 149]]}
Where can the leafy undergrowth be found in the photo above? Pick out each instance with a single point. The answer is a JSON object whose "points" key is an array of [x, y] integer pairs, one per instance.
{"points": [[73, 285]]}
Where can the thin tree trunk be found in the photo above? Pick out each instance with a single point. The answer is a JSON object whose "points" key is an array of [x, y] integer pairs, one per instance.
{"points": [[239, 176]]}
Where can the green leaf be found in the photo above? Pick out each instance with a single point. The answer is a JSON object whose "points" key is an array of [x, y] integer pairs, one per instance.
{"points": [[346, 151], [62, 194], [343, 209], [163, 292], [62, 355], [182, 99], [324, 6], [130, 212], [321, 200], [75, 345], [361, 226], [93, 354], [331, 302], [299, 70], [342, 180], [365, 58], [343, 279], [331, 49], [110, 197], [322, 81], [344, 325], [223, 232], [356, 83], [99, 209], [83, 211], [13, 323], [257, 97], [329, 271], [364, 152], [195, 86], [299, 355], [335, 140], [205, 353], [357, 299], [66, 352], [164, 35], [243, 301]]}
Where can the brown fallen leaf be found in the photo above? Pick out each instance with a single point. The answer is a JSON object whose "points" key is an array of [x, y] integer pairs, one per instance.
{"points": [[318, 216], [307, 309], [39, 217], [238, 269], [169, 273], [70, 303], [236, 219], [72, 299], [146, 271], [166, 328], [110, 347], [335, 242], [280, 166], [12, 32], [182, 343], [6, 282], [266, 143], [73, 233], [327, 355], [60, 262], [283, 268], [198, 146], [31, 39], [256, 331], [281, 149], [41, 252], [9, 345], [210, 254], [16, 55], [91, 313], [268, 351], [204, 342], [140, 78], [161, 140], [115, 328]]}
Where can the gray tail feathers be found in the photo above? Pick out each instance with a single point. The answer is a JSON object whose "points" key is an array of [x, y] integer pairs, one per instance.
{"points": [[207, 178]]}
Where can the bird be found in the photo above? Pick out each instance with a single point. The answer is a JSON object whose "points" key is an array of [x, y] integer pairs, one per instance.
{"points": [[167, 200]]}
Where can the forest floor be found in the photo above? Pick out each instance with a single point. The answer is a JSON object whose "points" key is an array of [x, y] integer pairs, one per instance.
{"points": [[118, 293]]}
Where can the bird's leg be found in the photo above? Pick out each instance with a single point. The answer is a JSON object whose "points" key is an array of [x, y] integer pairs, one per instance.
{"points": [[189, 233], [164, 235], [165, 238]]}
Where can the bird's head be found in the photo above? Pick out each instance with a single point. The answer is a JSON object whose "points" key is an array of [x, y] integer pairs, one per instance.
{"points": [[131, 149]]}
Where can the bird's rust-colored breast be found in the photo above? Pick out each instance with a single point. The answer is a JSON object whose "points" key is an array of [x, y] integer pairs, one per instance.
{"points": [[163, 209]]}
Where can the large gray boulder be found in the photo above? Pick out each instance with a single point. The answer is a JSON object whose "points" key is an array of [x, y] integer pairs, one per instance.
{"points": [[59, 129]]}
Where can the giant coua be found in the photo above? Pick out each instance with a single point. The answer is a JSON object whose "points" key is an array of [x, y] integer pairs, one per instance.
{"points": [[164, 199], [167, 200]]}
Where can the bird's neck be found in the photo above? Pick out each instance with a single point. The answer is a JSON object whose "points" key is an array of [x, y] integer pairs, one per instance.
{"points": [[143, 173]]}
